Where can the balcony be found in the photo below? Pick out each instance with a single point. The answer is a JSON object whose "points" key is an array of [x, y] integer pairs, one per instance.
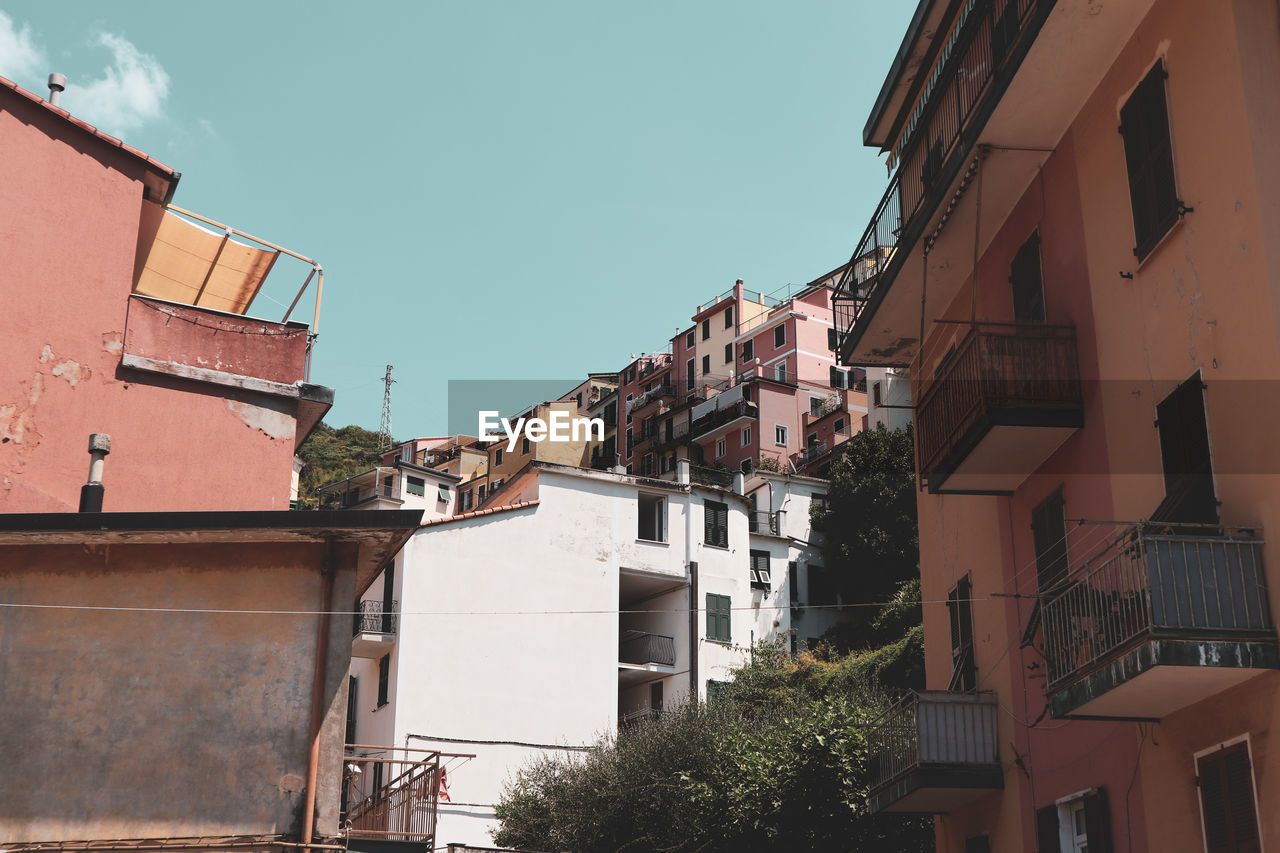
{"points": [[1000, 406], [1157, 620], [645, 657], [374, 630], [934, 752], [376, 488], [1008, 79], [764, 522], [391, 794], [716, 419]]}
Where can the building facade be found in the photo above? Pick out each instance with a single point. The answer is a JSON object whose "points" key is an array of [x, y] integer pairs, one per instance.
{"points": [[1082, 207]]}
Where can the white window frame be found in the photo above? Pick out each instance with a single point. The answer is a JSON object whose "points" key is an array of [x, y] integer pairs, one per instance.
{"points": [[746, 436], [815, 406], [720, 447], [1253, 780], [780, 431], [661, 525], [780, 371], [781, 327]]}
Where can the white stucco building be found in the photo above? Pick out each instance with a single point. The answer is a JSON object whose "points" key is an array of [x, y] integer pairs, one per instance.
{"points": [[586, 599], [888, 397]]}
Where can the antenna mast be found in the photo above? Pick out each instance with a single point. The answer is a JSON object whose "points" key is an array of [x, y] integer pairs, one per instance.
{"points": [[384, 431]]}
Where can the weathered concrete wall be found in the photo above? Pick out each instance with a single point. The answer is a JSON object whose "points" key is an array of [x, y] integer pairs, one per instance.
{"points": [[122, 724]]}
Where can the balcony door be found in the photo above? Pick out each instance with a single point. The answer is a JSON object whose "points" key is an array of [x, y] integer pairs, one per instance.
{"points": [[1184, 455]]}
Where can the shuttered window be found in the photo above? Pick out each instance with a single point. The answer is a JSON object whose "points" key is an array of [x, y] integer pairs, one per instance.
{"points": [[1184, 454], [760, 578], [718, 610], [1095, 834], [1227, 800], [833, 339], [1028, 283], [960, 609], [715, 517], [384, 679], [1148, 154], [1049, 532]]}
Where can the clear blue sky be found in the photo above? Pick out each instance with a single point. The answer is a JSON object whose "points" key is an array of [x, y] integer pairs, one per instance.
{"points": [[495, 189]]}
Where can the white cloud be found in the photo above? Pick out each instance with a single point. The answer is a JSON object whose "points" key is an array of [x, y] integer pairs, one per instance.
{"points": [[21, 60], [130, 93]]}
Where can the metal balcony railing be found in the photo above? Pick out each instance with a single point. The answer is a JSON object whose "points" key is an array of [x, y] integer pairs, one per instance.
{"points": [[1013, 366], [810, 453], [933, 728], [763, 522], [394, 795], [372, 616], [1156, 581], [721, 477], [638, 647], [933, 143], [719, 417]]}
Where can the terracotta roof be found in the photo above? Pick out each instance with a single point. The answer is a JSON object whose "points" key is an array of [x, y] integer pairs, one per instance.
{"points": [[478, 512], [84, 125]]}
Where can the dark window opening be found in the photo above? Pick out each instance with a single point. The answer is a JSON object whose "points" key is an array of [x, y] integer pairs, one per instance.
{"points": [[728, 317], [716, 523], [1148, 154], [1184, 453], [384, 679], [793, 588], [779, 335], [833, 339], [706, 329], [1227, 797], [728, 353], [1049, 532], [353, 707], [1028, 282], [706, 364], [960, 609], [760, 570], [748, 350]]}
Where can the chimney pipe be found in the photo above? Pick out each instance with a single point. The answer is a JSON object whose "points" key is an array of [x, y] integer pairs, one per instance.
{"points": [[92, 491], [57, 82]]}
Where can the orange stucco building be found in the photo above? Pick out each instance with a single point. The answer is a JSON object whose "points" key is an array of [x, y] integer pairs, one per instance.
{"points": [[1079, 260]]}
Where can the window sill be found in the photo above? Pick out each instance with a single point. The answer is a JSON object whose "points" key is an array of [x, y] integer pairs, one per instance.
{"points": [[663, 543], [726, 643], [717, 547]]}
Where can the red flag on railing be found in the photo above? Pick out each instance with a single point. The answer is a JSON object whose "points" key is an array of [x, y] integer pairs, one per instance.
{"points": [[444, 785]]}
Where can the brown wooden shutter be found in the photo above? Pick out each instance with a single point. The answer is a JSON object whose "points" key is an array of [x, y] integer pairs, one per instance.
{"points": [[1226, 797], [1047, 830], [1144, 124], [1028, 284], [1097, 821]]}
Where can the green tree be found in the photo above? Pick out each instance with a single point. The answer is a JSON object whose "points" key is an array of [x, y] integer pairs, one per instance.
{"points": [[335, 454], [777, 763]]}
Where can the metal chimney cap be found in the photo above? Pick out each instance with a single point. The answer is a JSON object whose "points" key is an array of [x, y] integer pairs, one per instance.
{"points": [[57, 82], [99, 442]]}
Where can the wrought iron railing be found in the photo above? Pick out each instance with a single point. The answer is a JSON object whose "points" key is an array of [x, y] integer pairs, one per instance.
{"points": [[638, 647], [1152, 581], [933, 145], [995, 367], [810, 453], [719, 417], [391, 798], [933, 727], [760, 521], [373, 616]]}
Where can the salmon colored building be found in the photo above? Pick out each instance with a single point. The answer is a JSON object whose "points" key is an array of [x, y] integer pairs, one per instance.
{"points": [[174, 674], [1078, 259]]}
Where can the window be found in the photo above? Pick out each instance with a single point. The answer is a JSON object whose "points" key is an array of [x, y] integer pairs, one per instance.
{"points": [[689, 380], [839, 427], [780, 435], [779, 335], [728, 317], [837, 378], [960, 609], [728, 353], [353, 707], [720, 447], [716, 689], [524, 446], [876, 399], [1184, 454], [706, 364], [497, 456], [1049, 532], [1081, 824], [718, 610], [822, 587], [760, 570], [811, 440], [631, 440], [652, 525], [833, 339], [1028, 282], [1227, 800], [384, 678], [655, 697], [748, 350], [706, 328], [1148, 156], [688, 339], [629, 376], [415, 486], [746, 436], [979, 843], [715, 517], [793, 587], [647, 465], [815, 407], [780, 371], [744, 465]]}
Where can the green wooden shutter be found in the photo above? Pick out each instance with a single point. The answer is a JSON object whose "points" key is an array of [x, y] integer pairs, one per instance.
{"points": [[726, 634]]}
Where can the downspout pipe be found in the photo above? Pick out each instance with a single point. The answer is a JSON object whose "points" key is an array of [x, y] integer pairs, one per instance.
{"points": [[682, 477], [317, 695]]}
